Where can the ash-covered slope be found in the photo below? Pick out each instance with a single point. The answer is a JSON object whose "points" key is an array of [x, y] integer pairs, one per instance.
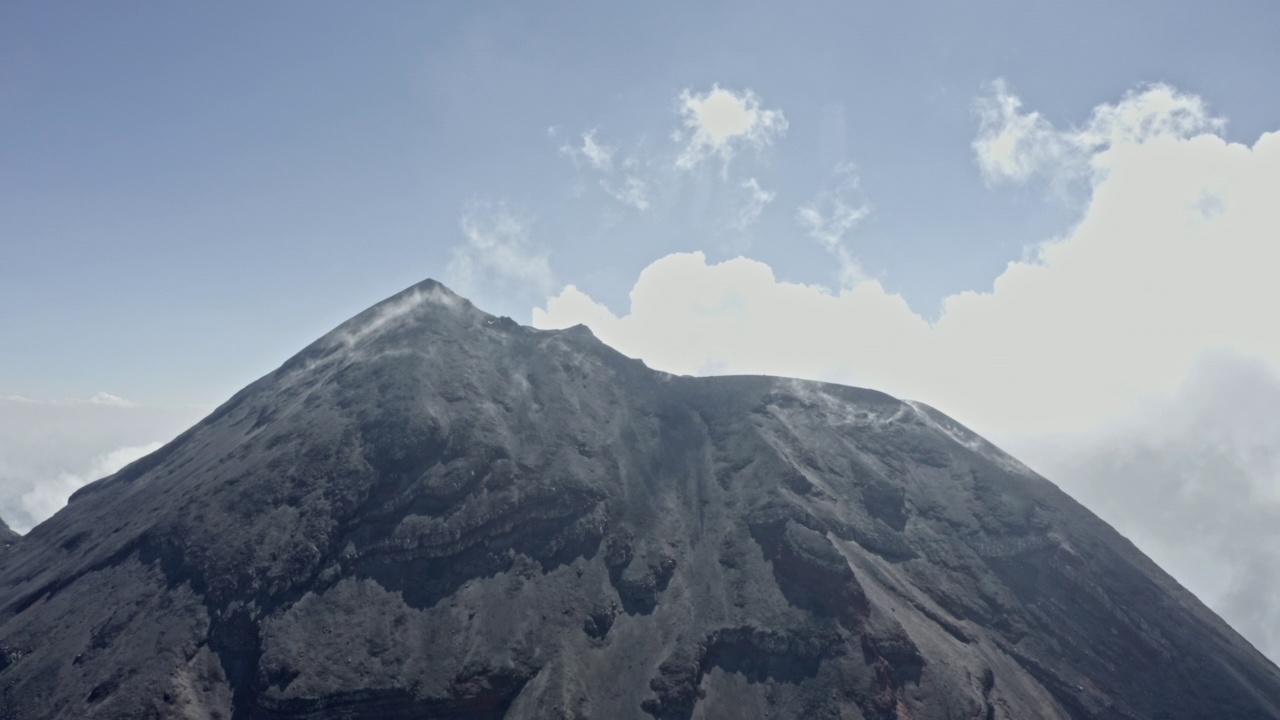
{"points": [[432, 512]]}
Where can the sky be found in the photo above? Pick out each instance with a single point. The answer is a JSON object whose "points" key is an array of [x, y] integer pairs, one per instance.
{"points": [[1057, 222]]}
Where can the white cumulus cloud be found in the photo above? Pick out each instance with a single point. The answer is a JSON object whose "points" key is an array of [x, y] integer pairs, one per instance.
{"points": [[719, 121], [688, 316], [1014, 144], [831, 215], [1174, 256]]}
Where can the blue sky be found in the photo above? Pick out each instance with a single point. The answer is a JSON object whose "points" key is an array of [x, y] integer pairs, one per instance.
{"points": [[190, 194], [197, 191]]}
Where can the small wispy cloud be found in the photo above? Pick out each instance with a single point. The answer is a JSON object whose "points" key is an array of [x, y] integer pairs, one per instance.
{"points": [[619, 180], [719, 121], [592, 153], [831, 215], [757, 199], [632, 191], [101, 398], [715, 124], [104, 398], [496, 250], [18, 400]]}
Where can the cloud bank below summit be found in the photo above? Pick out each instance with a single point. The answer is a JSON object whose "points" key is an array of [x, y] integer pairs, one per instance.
{"points": [[1194, 480], [51, 448]]}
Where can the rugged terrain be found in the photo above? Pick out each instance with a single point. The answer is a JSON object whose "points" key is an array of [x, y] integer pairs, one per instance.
{"points": [[434, 512], [7, 535]]}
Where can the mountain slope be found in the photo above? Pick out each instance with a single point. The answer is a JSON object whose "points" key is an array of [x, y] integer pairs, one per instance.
{"points": [[7, 535], [433, 512]]}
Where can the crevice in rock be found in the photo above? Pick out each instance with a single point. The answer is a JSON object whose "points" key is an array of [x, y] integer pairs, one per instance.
{"points": [[757, 654], [235, 637], [482, 693]]}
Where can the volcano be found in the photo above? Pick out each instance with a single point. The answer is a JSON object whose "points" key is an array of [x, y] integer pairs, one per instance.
{"points": [[432, 512]]}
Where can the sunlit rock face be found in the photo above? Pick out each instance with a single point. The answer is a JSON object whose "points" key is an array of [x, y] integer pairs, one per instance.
{"points": [[433, 512]]}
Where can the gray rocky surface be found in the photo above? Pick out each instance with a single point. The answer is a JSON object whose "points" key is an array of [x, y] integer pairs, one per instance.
{"points": [[432, 512], [7, 535]]}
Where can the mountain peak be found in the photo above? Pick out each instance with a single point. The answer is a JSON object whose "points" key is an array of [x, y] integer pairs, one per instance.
{"points": [[435, 512], [426, 301]]}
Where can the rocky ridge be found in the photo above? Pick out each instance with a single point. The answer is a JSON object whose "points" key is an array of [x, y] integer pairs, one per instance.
{"points": [[7, 535], [434, 512]]}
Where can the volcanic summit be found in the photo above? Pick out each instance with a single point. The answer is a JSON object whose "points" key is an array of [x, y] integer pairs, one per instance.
{"points": [[432, 512]]}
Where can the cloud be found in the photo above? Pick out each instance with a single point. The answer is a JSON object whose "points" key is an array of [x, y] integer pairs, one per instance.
{"points": [[17, 399], [1013, 145], [1115, 311], [49, 495], [1193, 478], [594, 154], [389, 315], [496, 252], [629, 189], [48, 448], [749, 213], [687, 316], [715, 124], [719, 121], [632, 191], [830, 216], [103, 398]]}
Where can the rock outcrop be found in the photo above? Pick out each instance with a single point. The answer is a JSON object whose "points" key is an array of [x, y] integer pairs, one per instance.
{"points": [[434, 512], [7, 535]]}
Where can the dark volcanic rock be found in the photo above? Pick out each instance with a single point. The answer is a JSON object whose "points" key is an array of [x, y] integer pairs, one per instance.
{"points": [[433, 512], [7, 535]]}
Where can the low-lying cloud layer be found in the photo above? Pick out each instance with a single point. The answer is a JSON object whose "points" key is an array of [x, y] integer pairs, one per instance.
{"points": [[1194, 480], [49, 449]]}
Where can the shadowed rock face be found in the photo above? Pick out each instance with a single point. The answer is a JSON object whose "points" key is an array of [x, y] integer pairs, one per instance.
{"points": [[432, 512], [7, 535]]}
